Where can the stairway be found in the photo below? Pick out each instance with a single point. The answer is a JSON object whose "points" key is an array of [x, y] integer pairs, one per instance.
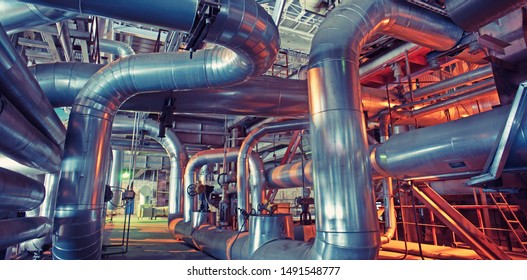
{"points": [[514, 224]]}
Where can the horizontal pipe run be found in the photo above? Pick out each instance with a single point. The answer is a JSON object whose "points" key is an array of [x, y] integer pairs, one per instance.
{"points": [[18, 192], [459, 80], [24, 143], [21, 88], [14, 231]]}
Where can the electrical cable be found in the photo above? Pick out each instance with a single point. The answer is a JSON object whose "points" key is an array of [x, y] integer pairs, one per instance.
{"points": [[417, 225]]}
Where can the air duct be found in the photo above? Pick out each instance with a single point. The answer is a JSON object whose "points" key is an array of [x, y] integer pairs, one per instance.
{"points": [[242, 165], [14, 231], [471, 15], [338, 135], [23, 91], [18, 16], [25, 144], [243, 26], [176, 152], [18, 192]]}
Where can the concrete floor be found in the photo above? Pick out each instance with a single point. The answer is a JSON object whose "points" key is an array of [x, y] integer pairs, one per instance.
{"points": [[148, 240]]}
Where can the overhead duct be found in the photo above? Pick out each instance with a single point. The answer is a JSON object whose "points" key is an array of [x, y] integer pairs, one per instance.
{"points": [[176, 152], [18, 192], [471, 15], [23, 91], [14, 231], [25, 144], [18, 16], [338, 133], [242, 164], [243, 26]]}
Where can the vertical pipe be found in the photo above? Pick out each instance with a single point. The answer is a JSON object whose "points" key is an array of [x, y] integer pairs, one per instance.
{"points": [[115, 178]]}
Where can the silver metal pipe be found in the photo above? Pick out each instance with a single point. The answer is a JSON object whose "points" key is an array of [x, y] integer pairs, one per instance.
{"points": [[65, 39], [178, 15], [121, 49], [23, 91], [474, 14], [387, 188], [250, 43], [290, 176], [459, 80], [47, 210], [18, 192], [242, 166], [24, 143], [18, 16], [457, 149], [15, 231], [14, 166], [176, 152], [338, 133], [126, 145], [115, 179]]}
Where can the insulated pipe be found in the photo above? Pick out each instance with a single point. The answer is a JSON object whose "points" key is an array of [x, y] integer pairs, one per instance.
{"points": [[23, 143], [47, 210], [459, 80], [18, 16], [387, 187], [290, 176], [176, 153], [349, 229], [115, 47], [115, 178], [251, 41], [457, 149], [14, 231], [471, 15], [161, 13], [257, 176], [22, 90], [242, 166], [18, 192]]}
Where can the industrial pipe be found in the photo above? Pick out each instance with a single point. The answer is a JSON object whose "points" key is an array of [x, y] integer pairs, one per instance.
{"points": [[24, 143], [23, 91], [176, 153], [115, 179], [18, 192], [65, 39], [251, 43], [121, 49], [14, 231], [471, 15], [338, 132], [459, 80], [242, 166], [18, 16]]}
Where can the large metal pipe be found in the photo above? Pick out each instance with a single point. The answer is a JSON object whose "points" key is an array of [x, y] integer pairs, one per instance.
{"points": [[256, 171], [251, 43], [47, 210], [178, 15], [14, 231], [176, 152], [23, 143], [18, 192], [262, 96], [242, 165], [459, 80], [457, 149], [474, 14], [18, 16], [23, 91], [342, 180], [115, 179]]}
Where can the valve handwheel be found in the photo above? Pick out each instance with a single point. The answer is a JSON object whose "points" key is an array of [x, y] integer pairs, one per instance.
{"points": [[191, 190]]}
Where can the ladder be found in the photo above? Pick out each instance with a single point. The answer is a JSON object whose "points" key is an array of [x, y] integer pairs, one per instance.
{"points": [[510, 218]]}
